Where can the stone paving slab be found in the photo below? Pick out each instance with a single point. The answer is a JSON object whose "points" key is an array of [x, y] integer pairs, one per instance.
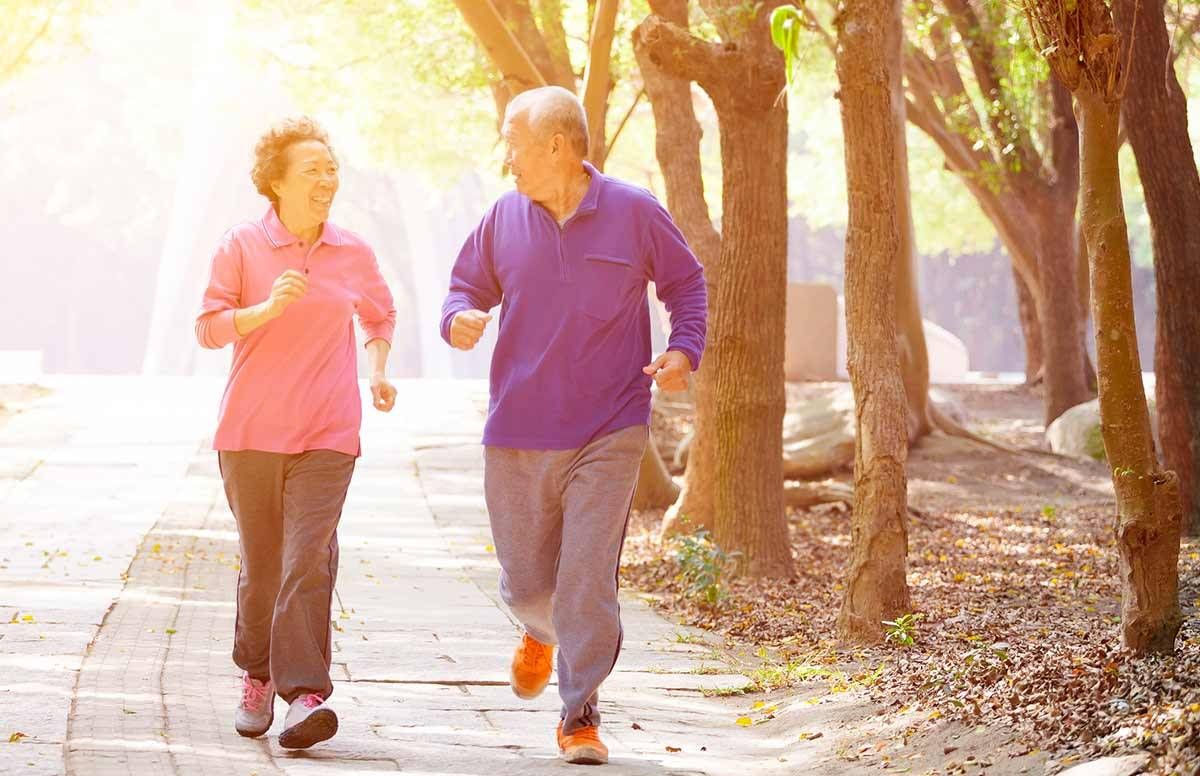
{"points": [[117, 541]]}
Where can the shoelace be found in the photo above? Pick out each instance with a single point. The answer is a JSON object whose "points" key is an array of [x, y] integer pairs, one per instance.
{"points": [[254, 693], [589, 734], [312, 700], [533, 652]]}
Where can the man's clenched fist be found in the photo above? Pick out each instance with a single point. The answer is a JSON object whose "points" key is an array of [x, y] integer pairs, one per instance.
{"points": [[467, 327], [670, 370]]}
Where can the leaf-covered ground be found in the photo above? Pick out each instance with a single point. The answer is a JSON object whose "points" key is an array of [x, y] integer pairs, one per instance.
{"points": [[1013, 573]]}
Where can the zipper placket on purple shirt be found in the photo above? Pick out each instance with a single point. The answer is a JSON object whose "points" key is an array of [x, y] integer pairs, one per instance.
{"points": [[561, 229]]}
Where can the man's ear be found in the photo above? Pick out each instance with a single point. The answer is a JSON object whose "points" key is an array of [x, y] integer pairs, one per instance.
{"points": [[558, 143]]}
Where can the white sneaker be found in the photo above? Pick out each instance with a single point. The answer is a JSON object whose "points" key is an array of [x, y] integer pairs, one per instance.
{"points": [[309, 721], [256, 711]]}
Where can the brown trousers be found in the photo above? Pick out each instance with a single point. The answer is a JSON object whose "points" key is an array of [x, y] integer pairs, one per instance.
{"points": [[287, 508]]}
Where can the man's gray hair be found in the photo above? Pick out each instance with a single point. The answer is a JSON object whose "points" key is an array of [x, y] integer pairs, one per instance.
{"points": [[553, 110]]}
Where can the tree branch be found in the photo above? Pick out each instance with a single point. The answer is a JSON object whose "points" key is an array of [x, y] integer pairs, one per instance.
{"points": [[15, 63], [679, 53], [596, 81], [550, 17], [520, 19], [613, 140], [501, 45], [984, 57]]}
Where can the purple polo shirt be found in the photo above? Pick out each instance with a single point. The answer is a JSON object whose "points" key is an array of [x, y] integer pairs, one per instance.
{"points": [[575, 323]]}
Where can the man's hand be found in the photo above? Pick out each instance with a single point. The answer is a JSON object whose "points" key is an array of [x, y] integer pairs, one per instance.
{"points": [[383, 393], [287, 288], [467, 327], [671, 371]]}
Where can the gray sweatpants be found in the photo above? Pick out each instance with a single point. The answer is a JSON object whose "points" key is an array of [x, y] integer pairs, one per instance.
{"points": [[558, 522], [287, 508]]}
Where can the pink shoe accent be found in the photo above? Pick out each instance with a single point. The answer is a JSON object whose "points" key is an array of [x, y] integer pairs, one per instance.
{"points": [[254, 692], [312, 700]]}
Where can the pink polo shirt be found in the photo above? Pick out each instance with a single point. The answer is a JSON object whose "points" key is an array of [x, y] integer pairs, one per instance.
{"points": [[294, 382]]}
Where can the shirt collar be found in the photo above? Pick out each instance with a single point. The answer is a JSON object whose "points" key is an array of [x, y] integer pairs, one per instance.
{"points": [[279, 235], [592, 197]]}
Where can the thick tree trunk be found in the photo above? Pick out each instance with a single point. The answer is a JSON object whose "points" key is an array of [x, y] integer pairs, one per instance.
{"points": [[677, 147], [1147, 498], [744, 399], [873, 125], [1157, 123], [1031, 330], [740, 404]]}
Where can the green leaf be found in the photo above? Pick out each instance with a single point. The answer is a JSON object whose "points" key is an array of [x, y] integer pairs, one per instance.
{"points": [[779, 20]]}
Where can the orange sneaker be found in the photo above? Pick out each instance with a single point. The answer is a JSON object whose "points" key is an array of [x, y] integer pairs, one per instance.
{"points": [[531, 665], [583, 747]]}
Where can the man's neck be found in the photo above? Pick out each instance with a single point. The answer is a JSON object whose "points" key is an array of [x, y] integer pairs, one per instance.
{"points": [[567, 196]]}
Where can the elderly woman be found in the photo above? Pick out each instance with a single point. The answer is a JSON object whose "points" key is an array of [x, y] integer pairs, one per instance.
{"points": [[284, 290]]}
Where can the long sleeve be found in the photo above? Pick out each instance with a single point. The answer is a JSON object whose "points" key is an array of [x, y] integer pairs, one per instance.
{"points": [[376, 308], [214, 325], [679, 283], [473, 282]]}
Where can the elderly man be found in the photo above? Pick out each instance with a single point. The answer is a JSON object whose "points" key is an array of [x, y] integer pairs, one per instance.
{"points": [[569, 253]]}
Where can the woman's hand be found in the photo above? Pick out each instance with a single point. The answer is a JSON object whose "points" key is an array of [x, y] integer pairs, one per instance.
{"points": [[287, 288], [383, 393]]}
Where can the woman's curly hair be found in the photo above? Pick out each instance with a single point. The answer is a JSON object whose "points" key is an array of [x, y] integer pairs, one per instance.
{"points": [[270, 152]]}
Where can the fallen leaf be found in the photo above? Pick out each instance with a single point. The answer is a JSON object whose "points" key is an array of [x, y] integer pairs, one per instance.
{"points": [[16, 737], [674, 749], [744, 721]]}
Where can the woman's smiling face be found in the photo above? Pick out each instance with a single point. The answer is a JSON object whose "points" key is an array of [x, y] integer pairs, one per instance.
{"points": [[309, 183]]}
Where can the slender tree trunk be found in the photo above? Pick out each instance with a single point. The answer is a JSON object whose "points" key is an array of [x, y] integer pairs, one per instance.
{"points": [[873, 125], [1147, 498], [1156, 120], [503, 49], [655, 488], [677, 146], [1031, 330], [1065, 383], [596, 81], [914, 352], [1175, 433]]}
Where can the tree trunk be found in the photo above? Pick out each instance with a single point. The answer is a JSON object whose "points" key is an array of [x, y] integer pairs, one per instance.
{"points": [[596, 81], [745, 397], [873, 123], [741, 404], [677, 147], [1065, 383], [1157, 123], [1031, 330], [1175, 432], [1147, 498], [910, 324], [655, 488], [503, 49]]}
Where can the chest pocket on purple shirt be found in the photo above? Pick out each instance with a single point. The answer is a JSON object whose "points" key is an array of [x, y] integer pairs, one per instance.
{"points": [[603, 285]]}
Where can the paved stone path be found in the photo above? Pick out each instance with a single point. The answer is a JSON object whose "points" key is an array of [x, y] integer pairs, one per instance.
{"points": [[118, 561]]}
